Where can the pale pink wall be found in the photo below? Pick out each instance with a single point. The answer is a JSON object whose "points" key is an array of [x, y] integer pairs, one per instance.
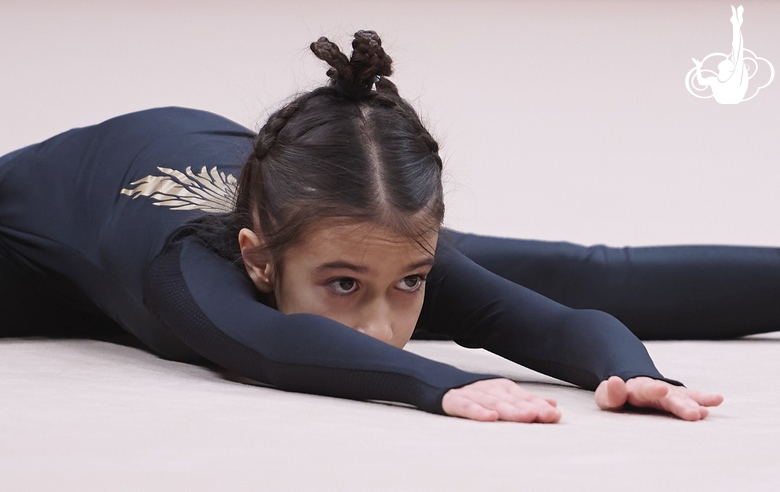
{"points": [[559, 120]]}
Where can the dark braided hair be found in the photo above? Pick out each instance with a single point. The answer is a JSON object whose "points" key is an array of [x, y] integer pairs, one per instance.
{"points": [[352, 150]]}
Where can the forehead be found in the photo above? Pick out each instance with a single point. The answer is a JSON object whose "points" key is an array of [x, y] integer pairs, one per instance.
{"points": [[361, 242]]}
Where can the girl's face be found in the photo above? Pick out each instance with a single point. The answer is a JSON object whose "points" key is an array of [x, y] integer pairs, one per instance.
{"points": [[360, 275]]}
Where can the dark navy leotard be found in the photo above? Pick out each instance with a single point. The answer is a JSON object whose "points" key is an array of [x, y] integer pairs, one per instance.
{"points": [[97, 231]]}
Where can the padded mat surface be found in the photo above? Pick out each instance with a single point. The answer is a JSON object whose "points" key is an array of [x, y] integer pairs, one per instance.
{"points": [[87, 415]]}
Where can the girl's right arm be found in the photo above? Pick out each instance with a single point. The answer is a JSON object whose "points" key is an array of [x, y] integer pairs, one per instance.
{"points": [[211, 306]]}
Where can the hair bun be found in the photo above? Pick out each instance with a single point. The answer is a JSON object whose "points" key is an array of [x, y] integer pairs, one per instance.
{"points": [[354, 77]]}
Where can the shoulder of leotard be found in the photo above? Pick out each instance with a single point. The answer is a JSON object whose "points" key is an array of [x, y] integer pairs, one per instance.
{"points": [[177, 116]]}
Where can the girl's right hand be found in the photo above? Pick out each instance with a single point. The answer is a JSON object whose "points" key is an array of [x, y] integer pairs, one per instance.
{"points": [[499, 399]]}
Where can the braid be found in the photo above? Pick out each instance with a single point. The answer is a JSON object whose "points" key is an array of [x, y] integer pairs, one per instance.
{"points": [[432, 145], [369, 58], [251, 174], [354, 77], [425, 135], [327, 51], [266, 137]]}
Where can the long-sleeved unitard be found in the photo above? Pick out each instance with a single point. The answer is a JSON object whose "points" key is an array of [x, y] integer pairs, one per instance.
{"points": [[97, 231]]}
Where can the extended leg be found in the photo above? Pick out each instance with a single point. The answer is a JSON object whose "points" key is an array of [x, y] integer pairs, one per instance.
{"points": [[31, 307], [668, 292]]}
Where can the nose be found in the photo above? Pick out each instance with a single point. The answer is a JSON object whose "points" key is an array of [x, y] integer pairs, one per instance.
{"points": [[377, 323]]}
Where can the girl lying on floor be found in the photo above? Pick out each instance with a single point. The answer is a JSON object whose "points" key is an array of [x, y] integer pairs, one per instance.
{"points": [[305, 257]]}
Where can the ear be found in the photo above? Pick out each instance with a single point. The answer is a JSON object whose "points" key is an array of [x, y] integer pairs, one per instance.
{"points": [[260, 270]]}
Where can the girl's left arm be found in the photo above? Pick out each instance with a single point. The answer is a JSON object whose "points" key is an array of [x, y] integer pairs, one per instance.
{"points": [[589, 348]]}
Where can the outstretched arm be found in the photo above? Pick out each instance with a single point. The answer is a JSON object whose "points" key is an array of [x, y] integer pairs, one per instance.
{"points": [[480, 309], [211, 306], [585, 347]]}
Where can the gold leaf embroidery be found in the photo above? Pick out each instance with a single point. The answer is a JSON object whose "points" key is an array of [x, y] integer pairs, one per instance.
{"points": [[210, 191]]}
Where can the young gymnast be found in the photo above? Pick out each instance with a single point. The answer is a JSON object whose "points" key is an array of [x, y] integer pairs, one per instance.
{"points": [[305, 257]]}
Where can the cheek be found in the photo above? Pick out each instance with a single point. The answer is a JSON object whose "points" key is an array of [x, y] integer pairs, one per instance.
{"points": [[406, 314], [409, 306], [298, 296]]}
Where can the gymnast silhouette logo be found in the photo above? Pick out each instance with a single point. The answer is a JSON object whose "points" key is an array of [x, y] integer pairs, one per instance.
{"points": [[735, 70], [210, 191]]}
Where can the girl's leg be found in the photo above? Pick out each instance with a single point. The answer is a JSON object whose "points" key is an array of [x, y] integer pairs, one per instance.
{"points": [[29, 306], [666, 292]]}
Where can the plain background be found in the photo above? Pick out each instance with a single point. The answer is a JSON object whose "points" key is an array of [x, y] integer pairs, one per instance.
{"points": [[559, 120]]}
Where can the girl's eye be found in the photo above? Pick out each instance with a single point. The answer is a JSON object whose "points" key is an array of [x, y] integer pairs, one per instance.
{"points": [[344, 285], [411, 283]]}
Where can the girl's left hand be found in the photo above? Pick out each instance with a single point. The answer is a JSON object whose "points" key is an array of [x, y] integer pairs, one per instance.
{"points": [[646, 392]]}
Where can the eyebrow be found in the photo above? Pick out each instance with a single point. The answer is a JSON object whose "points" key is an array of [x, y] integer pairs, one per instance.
{"points": [[426, 262], [342, 265], [345, 265]]}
